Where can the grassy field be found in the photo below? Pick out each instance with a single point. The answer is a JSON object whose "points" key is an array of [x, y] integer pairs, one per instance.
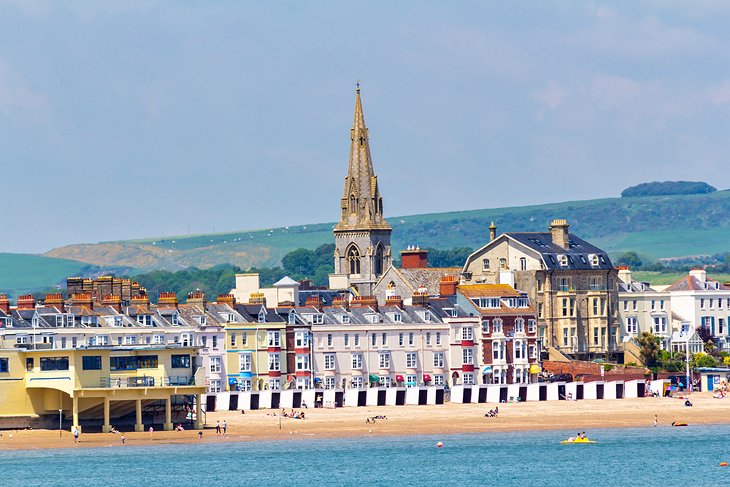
{"points": [[20, 273], [663, 279]]}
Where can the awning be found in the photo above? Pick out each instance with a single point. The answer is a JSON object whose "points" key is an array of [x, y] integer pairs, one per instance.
{"points": [[534, 369], [487, 369], [374, 378], [426, 378], [399, 378], [245, 375], [411, 384], [317, 380], [232, 381], [455, 375]]}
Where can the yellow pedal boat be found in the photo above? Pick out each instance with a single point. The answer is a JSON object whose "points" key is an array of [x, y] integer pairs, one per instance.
{"points": [[579, 441]]}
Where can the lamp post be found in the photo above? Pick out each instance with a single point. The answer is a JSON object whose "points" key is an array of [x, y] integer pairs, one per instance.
{"points": [[60, 422]]}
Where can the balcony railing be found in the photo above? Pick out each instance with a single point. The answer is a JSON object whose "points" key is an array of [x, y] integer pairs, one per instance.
{"points": [[146, 381]]}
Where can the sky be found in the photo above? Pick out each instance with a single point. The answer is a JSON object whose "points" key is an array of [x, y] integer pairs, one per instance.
{"points": [[123, 120]]}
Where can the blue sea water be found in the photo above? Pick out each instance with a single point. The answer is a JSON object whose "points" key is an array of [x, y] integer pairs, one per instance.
{"points": [[639, 456]]}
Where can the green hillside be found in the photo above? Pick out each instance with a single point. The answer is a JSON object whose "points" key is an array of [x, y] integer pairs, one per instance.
{"points": [[654, 226], [20, 273]]}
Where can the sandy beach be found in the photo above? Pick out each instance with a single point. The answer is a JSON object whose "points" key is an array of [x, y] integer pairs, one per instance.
{"points": [[404, 420]]}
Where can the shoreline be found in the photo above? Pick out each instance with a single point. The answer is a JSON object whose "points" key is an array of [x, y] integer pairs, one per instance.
{"points": [[263, 425]]}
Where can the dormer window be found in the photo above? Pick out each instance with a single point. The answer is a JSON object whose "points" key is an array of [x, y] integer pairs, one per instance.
{"points": [[563, 259], [374, 318], [427, 316], [202, 320], [118, 321], [88, 320], [397, 318], [59, 321], [292, 318], [144, 320], [345, 319], [594, 260], [174, 319], [35, 321], [262, 316]]}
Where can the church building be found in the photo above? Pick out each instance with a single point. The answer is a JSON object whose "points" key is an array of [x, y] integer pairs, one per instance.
{"points": [[362, 236]]}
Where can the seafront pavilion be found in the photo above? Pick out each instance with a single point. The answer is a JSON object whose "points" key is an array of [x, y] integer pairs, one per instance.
{"points": [[98, 383]]}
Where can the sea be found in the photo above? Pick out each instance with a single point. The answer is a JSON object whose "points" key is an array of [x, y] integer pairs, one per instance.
{"points": [[636, 456]]}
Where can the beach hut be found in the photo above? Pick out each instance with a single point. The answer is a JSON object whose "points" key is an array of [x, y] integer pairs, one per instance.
{"points": [[233, 402], [513, 392], [533, 392], [553, 391], [712, 377], [265, 401], [590, 390], [308, 396], [571, 391], [244, 401], [631, 388], [286, 399], [221, 401], [457, 394]]}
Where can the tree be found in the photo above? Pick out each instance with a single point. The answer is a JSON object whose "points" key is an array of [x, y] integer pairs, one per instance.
{"points": [[705, 333], [649, 348], [704, 360], [630, 259]]}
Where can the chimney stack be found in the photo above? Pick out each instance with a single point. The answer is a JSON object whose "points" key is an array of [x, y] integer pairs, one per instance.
{"points": [[314, 301], [341, 300], [447, 286], [559, 231], [197, 297], [492, 231], [113, 301], [140, 301], [54, 300], [364, 302], [167, 300], [26, 301], [699, 274], [624, 273], [4, 304], [83, 299], [394, 301], [228, 299], [257, 298], [413, 258], [420, 299]]}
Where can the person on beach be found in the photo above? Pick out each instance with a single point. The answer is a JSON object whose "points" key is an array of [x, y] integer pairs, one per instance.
{"points": [[76, 434], [656, 420], [225, 427], [200, 435], [152, 430], [122, 438], [217, 427]]}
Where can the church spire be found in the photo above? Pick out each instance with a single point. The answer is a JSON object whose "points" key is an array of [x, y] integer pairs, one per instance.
{"points": [[361, 205]]}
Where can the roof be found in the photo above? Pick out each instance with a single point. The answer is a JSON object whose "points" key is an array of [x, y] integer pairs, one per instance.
{"points": [[691, 283], [488, 290], [427, 277], [285, 281], [579, 252]]}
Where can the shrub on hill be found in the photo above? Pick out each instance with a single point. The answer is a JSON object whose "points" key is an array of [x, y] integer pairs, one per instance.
{"points": [[660, 188]]}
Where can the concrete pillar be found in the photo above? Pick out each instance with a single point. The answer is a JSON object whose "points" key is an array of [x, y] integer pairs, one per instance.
{"points": [[138, 426], [168, 415], [198, 412], [75, 414], [106, 427]]}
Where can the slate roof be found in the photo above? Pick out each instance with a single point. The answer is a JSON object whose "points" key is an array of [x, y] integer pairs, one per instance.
{"points": [[578, 251], [427, 277], [691, 283]]}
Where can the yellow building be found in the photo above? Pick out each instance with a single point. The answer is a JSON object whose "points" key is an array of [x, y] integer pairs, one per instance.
{"points": [[256, 349], [100, 383]]}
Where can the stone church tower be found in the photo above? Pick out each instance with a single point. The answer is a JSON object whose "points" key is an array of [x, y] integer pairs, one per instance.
{"points": [[362, 237]]}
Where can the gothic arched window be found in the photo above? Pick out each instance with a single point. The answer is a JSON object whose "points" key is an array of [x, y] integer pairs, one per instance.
{"points": [[353, 259], [353, 205], [378, 264]]}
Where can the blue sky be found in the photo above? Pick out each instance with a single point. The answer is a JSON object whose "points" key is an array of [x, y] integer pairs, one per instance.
{"points": [[139, 119]]}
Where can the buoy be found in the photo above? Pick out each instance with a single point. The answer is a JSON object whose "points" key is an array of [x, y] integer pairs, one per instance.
{"points": [[440, 445], [723, 464]]}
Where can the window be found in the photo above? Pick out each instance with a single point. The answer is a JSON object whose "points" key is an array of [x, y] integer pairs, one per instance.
{"points": [[438, 338], [626, 305], [29, 364], [4, 366], [145, 320], [384, 360], [438, 360], [411, 360], [468, 378], [89, 362], [411, 380], [595, 306], [262, 316], [397, 318], [54, 363], [214, 338], [571, 301], [384, 381], [244, 362], [523, 264], [428, 338], [329, 339], [329, 382], [158, 339], [275, 384], [301, 339], [302, 362], [357, 382], [565, 337], [702, 303], [123, 363], [438, 379], [357, 361], [467, 356], [345, 319], [721, 326], [373, 338], [130, 340], [427, 316], [329, 362], [147, 361], [174, 319], [533, 351], [233, 340], [315, 319], [565, 306], [660, 324], [215, 364], [400, 339], [531, 326], [467, 333], [384, 339], [214, 386], [186, 339], [357, 339], [410, 339], [274, 338], [180, 361], [497, 350], [497, 325], [274, 361], [244, 384], [485, 264], [519, 325], [346, 339], [503, 263], [353, 258], [632, 325]]}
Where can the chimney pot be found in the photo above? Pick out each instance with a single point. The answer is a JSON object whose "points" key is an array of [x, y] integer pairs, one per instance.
{"points": [[560, 235]]}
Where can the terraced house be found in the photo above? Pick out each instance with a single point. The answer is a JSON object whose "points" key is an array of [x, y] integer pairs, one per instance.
{"points": [[571, 283]]}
